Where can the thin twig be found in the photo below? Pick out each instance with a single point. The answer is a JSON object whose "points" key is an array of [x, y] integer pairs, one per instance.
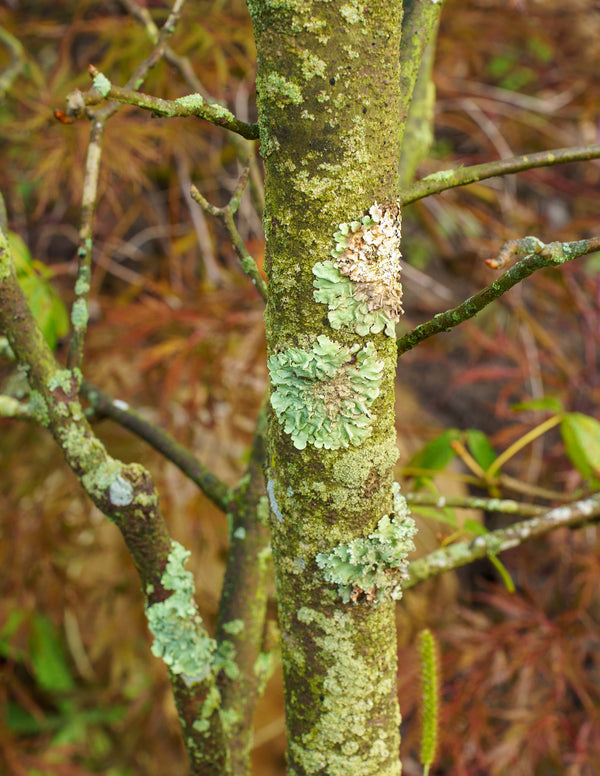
{"points": [[449, 179], [225, 215], [75, 106], [189, 105], [460, 553], [505, 506], [119, 411], [537, 256]]}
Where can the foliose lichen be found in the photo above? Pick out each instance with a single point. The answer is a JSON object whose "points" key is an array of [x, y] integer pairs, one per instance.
{"points": [[323, 395], [361, 285], [102, 84], [120, 492], [376, 566], [179, 636]]}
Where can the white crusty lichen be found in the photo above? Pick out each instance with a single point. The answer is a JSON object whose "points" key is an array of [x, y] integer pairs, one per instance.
{"points": [[179, 636], [361, 284], [376, 566], [323, 395]]}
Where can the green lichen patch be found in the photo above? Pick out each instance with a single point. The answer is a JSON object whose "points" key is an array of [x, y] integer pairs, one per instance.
{"points": [[349, 700], [279, 89], [377, 565], [367, 251], [102, 84], [323, 395], [345, 307], [179, 636]]}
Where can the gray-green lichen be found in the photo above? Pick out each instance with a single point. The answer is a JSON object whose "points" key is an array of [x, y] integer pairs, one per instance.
{"points": [[191, 101], [120, 492], [38, 408], [179, 636], [377, 565], [281, 90], [102, 84], [323, 395], [79, 313], [361, 285], [349, 698], [345, 308], [63, 378]]}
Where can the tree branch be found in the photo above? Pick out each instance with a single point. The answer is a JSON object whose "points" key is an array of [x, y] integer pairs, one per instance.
{"points": [[243, 605], [76, 105], [505, 506], [119, 411], [126, 494], [189, 105], [449, 179], [537, 255], [225, 215], [459, 554]]}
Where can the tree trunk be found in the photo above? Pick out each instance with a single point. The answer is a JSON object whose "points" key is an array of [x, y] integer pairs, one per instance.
{"points": [[329, 112]]}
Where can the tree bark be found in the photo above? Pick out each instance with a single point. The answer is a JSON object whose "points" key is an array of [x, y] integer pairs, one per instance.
{"points": [[329, 106]]}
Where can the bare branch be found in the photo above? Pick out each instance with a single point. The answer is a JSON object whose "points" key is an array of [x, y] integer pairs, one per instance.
{"points": [[225, 215], [120, 412], [449, 179], [537, 255]]}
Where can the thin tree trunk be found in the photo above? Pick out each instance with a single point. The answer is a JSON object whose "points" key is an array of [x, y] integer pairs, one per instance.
{"points": [[328, 92]]}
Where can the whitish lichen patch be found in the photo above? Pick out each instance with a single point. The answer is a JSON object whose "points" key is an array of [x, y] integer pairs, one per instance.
{"points": [[323, 395], [368, 252], [361, 284], [179, 636], [377, 565]]}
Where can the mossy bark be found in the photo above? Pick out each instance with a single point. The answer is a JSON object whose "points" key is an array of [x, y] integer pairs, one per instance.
{"points": [[329, 105]]}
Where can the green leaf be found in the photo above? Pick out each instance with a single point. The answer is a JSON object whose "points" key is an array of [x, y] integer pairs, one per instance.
{"points": [[581, 435], [34, 278], [480, 448], [435, 455], [50, 664], [547, 403], [446, 516]]}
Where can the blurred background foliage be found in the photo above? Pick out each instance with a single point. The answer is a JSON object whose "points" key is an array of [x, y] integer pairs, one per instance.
{"points": [[177, 332]]}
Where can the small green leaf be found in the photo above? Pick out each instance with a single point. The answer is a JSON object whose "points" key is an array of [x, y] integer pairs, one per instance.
{"points": [[581, 435], [34, 278], [435, 455], [547, 403], [446, 516], [50, 664], [480, 448]]}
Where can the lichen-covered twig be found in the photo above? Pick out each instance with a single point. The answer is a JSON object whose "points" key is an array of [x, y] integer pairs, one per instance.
{"points": [[225, 215], [449, 179], [189, 105], [119, 411], [76, 106], [460, 553], [17, 60], [505, 506], [537, 255], [125, 493]]}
